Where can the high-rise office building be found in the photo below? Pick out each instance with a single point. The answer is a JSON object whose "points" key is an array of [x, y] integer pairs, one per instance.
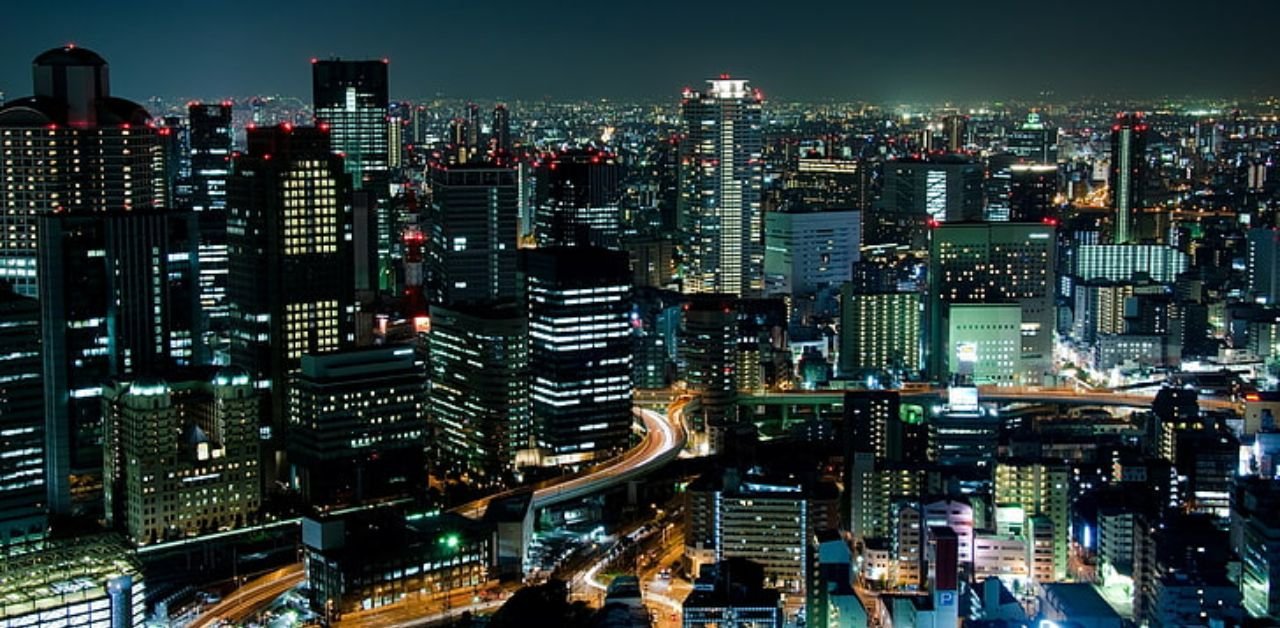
{"points": [[994, 263], [1255, 516], [580, 347], [211, 143], [478, 389], [955, 132], [350, 100], [458, 152], [175, 140], [810, 252], [963, 435], [879, 331], [998, 186], [1263, 265], [709, 353], [73, 148], [655, 324], [721, 177], [289, 286], [830, 183], [474, 134], [119, 298], [500, 131], [472, 234], [759, 516], [946, 188], [1034, 142], [1032, 189], [181, 458], [581, 200], [1128, 174], [357, 430], [22, 425]]}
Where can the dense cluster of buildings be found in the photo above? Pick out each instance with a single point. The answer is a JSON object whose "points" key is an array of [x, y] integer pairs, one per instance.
{"points": [[222, 317]]}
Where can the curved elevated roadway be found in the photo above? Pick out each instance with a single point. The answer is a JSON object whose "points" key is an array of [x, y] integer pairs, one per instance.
{"points": [[664, 439]]}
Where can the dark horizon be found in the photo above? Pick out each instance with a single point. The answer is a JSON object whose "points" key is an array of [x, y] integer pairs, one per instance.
{"points": [[918, 51]]}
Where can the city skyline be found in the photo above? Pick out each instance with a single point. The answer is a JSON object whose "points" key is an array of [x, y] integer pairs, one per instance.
{"points": [[643, 52], [680, 362]]}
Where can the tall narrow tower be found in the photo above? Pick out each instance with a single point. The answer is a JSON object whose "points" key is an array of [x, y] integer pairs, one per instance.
{"points": [[211, 137], [351, 101], [721, 174], [1128, 176], [289, 287]]}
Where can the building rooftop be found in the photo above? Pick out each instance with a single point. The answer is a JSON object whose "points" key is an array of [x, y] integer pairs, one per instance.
{"points": [[69, 54], [1079, 599], [62, 572]]}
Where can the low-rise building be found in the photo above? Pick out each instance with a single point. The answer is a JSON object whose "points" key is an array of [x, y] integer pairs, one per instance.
{"points": [[731, 594], [86, 582], [1078, 603], [999, 556], [370, 559]]}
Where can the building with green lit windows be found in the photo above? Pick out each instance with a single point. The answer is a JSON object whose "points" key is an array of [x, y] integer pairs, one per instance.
{"points": [[879, 331], [1007, 263]]}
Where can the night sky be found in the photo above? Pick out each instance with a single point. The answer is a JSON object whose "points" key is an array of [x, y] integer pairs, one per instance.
{"points": [[793, 49]]}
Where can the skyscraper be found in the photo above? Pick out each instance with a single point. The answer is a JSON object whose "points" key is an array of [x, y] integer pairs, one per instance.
{"points": [[84, 178], [993, 263], [471, 234], [1034, 142], [1128, 174], [289, 287], [709, 352], [459, 152], [501, 131], [478, 395], [955, 134], [350, 100], [22, 425], [580, 350], [721, 177], [211, 141], [1263, 265], [1031, 193], [580, 204], [946, 188], [807, 253], [474, 134], [71, 147], [119, 298]]}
